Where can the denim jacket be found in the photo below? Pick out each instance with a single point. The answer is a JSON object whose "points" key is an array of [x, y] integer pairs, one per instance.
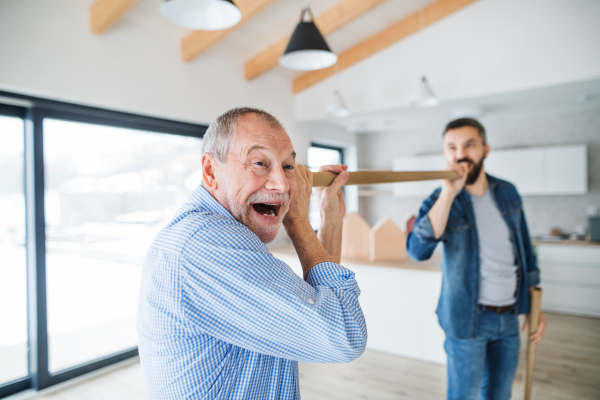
{"points": [[457, 307]]}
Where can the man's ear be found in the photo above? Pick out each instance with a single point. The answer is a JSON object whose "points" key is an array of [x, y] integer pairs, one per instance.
{"points": [[486, 150], [209, 172]]}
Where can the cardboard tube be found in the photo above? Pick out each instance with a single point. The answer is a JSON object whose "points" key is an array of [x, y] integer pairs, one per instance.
{"points": [[534, 321], [374, 177]]}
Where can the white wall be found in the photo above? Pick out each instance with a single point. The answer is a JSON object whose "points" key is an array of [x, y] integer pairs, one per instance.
{"points": [[47, 50], [488, 47]]}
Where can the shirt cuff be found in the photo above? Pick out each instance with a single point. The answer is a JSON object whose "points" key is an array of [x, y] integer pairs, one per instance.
{"points": [[533, 278], [331, 275]]}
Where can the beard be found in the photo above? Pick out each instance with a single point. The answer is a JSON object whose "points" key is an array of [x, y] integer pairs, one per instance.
{"points": [[266, 233], [475, 169]]}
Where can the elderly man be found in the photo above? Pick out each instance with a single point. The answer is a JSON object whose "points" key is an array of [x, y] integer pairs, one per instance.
{"points": [[219, 316]]}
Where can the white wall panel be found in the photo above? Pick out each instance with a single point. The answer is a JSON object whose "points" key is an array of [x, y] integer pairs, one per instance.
{"points": [[566, 170], [524, 168], [534, 171]]}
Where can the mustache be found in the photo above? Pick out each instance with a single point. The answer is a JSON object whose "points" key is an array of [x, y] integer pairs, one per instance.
{"points": [[467, 160], [265, 197]]}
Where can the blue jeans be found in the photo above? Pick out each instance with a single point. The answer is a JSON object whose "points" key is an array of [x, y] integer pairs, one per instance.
{"points": [[484, 367]]}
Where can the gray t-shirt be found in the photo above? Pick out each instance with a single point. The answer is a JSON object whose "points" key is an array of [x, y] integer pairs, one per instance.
{"points": [[498, 262]]}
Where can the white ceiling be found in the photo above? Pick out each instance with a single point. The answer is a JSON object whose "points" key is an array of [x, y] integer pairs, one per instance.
{"points": [[275, 22], [570, 96], [280, 18]]}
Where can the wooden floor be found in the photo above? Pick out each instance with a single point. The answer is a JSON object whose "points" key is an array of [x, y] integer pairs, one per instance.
{"points": [[567, 367]]}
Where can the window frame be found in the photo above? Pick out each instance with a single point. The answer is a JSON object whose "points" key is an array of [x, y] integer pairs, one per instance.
{"points": [[328, 147], [340, 150], [33, 116]]}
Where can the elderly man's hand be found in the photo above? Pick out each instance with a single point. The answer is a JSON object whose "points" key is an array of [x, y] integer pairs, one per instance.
{"points": [[300, 201], [331, 198], [333, 209]]}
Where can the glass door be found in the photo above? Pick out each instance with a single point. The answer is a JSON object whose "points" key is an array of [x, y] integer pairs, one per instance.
{"points": [[13, 266]]}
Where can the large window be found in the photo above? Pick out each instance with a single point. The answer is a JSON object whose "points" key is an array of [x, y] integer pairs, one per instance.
{"points": [[319, 155], [83, 192], [13, 268], [108, 193]]}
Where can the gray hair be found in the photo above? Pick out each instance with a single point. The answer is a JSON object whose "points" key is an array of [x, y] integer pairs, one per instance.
{"points": [[220, 135]]}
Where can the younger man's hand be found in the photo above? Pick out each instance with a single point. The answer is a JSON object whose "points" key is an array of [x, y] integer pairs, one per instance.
{"points": [[452, 187]]}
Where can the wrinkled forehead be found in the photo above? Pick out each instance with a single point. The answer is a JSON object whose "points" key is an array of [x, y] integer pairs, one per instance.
{"points": [[254, 133]]}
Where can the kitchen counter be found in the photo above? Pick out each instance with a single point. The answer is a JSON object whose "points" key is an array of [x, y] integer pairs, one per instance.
{"points": [[566, 242], [433, 264], [398, 300]]}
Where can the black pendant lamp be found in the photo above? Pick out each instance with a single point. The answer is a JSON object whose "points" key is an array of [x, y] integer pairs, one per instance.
{"points": [[307, 49], [206, 15]]}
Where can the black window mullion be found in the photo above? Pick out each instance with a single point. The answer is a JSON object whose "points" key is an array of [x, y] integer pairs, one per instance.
{"points": [[93, 115], [36, 250], [14, 387], [91, 366], [12, 111]]}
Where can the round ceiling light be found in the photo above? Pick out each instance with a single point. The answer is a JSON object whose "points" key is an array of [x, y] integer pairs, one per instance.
{"points": [[206, 15]]}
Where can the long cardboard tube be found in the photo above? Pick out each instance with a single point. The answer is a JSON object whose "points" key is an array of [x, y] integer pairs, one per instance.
{"points": [[534, 321], [374, 177]]}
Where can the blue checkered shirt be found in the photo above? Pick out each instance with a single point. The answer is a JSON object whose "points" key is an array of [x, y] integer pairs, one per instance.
{"points": [[221, 318]]}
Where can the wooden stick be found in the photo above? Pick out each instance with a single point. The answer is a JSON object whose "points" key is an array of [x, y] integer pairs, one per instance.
{"points": [[374, 177], [534, 320]]}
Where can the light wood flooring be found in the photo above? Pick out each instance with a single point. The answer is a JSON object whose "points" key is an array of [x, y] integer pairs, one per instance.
{"points": [[567, 367]]}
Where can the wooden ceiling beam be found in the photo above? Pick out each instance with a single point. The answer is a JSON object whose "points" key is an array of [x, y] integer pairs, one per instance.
{"points": [[398, 31], [328, 22], [199, 41], [104, 13]]}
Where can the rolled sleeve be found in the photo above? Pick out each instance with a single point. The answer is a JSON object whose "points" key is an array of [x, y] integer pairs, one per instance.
{"points": [[332, 275], [421, 242], [533, 277], [424, 230]]}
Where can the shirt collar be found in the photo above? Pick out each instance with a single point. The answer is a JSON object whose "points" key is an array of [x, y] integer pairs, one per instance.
{"points": [[492, 183], [203, 199]]}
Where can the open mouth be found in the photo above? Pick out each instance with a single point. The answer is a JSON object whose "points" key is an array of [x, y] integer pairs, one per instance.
{"points": [[267, 209]]}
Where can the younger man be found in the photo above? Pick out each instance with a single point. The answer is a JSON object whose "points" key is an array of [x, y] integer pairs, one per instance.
{"points": [[488, 267]]}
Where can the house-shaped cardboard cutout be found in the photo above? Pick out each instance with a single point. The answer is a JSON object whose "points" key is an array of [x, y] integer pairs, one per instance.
{"points": [[355, 237], [387, 242]]}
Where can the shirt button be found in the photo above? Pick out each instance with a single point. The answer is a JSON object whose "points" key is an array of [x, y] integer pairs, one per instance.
{"points": [[311, 301]]}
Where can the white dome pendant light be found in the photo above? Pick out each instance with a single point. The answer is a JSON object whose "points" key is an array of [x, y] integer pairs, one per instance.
{"points": [[206, 15], [336, 107], [307, 49], [425, 96]]}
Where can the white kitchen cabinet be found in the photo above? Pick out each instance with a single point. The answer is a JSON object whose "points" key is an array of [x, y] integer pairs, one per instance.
{"points": [[566, 170], [570, 278], [534, 171], [524, 168]]}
